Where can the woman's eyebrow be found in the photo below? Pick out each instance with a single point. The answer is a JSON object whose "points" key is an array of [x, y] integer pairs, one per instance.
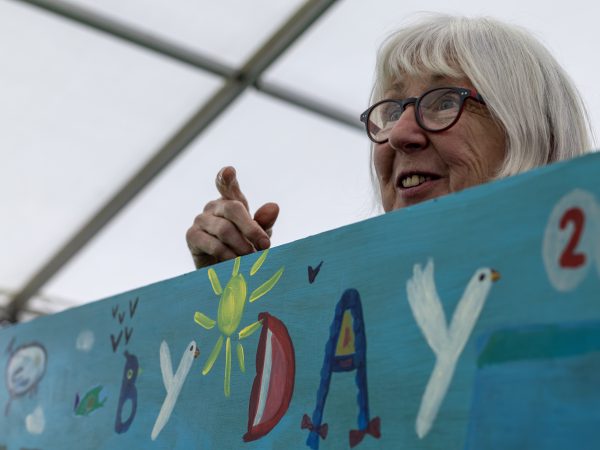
{"points": [[438, 81], [397, 89]]}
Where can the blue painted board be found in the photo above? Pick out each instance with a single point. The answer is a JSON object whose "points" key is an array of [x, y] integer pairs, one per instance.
{"points": [[468, 322]]}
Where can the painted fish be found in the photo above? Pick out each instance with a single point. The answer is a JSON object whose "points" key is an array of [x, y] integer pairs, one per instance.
{"points": [[89, 403]]}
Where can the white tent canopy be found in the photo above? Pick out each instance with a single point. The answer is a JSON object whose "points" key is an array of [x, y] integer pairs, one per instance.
{"points": [[118, 114]]}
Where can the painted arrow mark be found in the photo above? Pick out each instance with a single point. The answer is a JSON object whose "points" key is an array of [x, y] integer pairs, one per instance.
{"points": [[312, 273], [115, 343], [133, 307], [128, 333]]}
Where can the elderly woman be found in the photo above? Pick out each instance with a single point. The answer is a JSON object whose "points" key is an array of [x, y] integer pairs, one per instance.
{"points": [[457, 102]]}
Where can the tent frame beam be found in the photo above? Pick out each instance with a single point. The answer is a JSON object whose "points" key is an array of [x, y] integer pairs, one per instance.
{"points": [[236, 82]]}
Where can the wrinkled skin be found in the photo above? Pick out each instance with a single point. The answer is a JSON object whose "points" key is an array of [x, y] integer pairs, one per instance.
{"points": [[469, 153], [226, 229]]}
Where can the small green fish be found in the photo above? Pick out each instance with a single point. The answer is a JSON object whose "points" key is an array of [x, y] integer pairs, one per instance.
{"points": [[89, 403]]}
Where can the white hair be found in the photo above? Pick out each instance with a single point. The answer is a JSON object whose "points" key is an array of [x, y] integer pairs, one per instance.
{"points": [[525, 89]]}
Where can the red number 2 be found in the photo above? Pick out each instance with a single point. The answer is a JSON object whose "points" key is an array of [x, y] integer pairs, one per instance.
{"points": [[569, 257]]}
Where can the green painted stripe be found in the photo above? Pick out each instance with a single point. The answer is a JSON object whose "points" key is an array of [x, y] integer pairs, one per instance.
{"points": [[540, 342]]}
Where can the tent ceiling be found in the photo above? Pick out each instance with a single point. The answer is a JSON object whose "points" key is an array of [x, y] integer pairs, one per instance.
{"points": [[104, 95]]}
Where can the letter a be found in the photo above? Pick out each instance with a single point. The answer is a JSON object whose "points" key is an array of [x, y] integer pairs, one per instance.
{"points": [[346, 350]]}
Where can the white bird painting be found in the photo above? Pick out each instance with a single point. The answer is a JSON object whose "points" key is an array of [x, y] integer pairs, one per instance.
{"points": [[447, 342], [173, 383]]}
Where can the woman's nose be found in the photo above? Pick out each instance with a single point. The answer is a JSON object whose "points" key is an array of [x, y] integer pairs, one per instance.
{"points": [[406, 135]]}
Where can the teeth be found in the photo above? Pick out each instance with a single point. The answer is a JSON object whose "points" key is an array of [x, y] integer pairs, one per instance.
{"points": [[414, 180]]}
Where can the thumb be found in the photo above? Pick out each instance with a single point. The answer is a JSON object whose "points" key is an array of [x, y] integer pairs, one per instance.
{"points": [[266, 216], [228, 186]]}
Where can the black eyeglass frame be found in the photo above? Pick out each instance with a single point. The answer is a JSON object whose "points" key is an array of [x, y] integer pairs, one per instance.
{"points": [[464, 94]]}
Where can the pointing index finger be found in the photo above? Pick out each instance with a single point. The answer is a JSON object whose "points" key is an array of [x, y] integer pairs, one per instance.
{"points": [[228, 186]]}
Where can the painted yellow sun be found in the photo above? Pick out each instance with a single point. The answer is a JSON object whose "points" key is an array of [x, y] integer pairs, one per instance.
{"points": [[229, 315]]}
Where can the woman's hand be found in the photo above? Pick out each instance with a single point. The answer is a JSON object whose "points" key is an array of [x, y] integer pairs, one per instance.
{"points": [[225, 229]]}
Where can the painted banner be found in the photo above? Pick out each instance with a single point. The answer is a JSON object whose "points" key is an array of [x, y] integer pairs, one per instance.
{"points": [[468, 322]]}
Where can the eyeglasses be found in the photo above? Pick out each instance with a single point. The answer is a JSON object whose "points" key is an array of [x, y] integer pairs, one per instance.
{"points": [[435, 110]]}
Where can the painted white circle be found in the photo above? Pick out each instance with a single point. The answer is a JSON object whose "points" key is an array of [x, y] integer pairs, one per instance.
{"points": [[85, 341], [36, 421], [568, 249]]}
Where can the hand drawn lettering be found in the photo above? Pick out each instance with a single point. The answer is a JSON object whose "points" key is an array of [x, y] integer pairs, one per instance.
{"points": [[447, 342], [128, 392], [173, 384], [345, 351]]}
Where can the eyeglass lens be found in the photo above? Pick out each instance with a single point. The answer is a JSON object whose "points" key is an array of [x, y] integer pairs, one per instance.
{"points": [[435, 111]]}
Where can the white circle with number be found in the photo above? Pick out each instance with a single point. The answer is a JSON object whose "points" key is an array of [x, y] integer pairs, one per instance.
{"points": [[570, 246]]}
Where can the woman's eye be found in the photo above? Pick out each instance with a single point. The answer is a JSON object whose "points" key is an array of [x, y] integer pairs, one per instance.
{"points": [[395, 116], [394, 113], [447, 103]]}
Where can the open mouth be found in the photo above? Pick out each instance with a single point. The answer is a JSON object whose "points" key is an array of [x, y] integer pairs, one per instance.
{"points": [[412, 180]]}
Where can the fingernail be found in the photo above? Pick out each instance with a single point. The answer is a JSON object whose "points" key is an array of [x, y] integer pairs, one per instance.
{"points": [[264, 243]]}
